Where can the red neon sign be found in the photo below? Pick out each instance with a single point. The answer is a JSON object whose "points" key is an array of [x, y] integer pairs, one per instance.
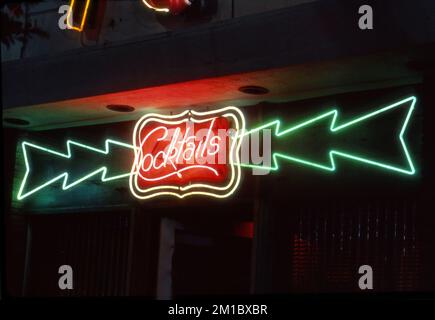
{"points": [[175, 154], [189, 153], [173, 6]]}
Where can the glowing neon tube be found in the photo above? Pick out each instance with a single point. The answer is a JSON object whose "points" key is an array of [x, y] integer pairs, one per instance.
{"points": [[145, 187]]}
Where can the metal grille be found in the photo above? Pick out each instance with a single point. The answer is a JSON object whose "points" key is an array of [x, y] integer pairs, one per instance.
{"points": [[330, 245], [94, 244]]}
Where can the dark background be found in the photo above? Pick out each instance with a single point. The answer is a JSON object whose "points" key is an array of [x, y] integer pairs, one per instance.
{"points": [[297, 231]]}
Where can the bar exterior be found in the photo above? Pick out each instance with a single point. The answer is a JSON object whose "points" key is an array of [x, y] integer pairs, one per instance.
{"points": [[165, 149]]}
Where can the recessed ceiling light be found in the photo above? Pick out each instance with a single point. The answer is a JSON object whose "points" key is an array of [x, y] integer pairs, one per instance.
{"points": [[256, 90], [16, 121], [120, 108]]}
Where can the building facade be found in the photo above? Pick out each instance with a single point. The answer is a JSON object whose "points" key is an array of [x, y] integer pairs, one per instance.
{"points": [[349, 180]]}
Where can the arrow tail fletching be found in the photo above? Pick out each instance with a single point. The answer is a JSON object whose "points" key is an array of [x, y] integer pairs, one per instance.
{"points": [[23, 191]]}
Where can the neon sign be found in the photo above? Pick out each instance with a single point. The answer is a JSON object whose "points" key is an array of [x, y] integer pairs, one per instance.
{"points": [[84, 15], [408, 169], [173, 6], [199, 153], [150, 5], [191, 153]]}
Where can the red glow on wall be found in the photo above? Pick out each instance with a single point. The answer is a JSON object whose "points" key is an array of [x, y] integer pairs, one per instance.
{"points": [[245, 229]]}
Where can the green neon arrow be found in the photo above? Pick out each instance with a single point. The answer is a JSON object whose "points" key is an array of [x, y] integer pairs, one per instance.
{"points": [[70, 178], [334, 127], [73, 148]]}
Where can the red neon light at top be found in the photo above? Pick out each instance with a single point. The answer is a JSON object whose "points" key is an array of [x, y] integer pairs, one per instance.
{"points": [[173, 6]]}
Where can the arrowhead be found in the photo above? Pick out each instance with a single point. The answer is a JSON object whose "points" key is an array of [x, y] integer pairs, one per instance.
{"points": [[376, 138]]}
